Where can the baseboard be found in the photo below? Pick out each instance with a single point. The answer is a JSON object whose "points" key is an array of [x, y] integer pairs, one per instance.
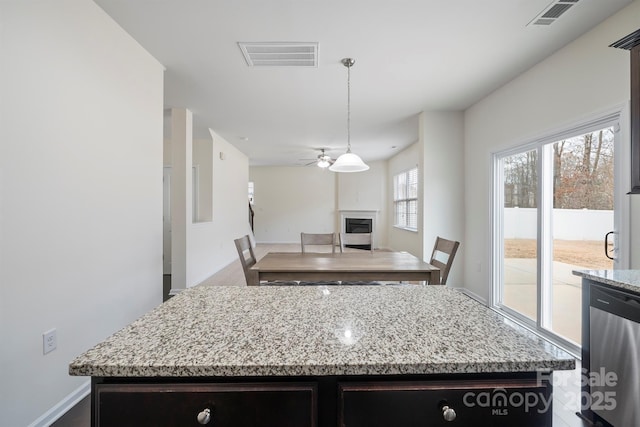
{"points": [[473, 295], [53, 414]]}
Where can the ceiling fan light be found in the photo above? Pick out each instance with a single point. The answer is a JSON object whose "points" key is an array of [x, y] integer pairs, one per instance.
{"points": [[349, 162], [323, 163]]}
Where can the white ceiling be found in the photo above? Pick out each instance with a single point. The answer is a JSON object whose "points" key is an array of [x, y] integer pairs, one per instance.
{"points": [[411, 56]]}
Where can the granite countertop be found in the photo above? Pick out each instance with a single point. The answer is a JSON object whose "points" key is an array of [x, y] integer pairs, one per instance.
{"points": [[628, 280], [319, 331]]}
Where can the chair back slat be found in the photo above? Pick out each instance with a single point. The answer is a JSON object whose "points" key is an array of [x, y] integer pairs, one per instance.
{"points": [[355, 239], [317, 239]]}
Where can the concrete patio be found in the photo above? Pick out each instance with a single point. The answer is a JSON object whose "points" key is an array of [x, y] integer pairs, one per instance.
{"points": [[520, 294]]}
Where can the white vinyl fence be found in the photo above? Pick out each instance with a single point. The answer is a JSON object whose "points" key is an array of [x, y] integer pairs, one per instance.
{"points": [[568, 224]]}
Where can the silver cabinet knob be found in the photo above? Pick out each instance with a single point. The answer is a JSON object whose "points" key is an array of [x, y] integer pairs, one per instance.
{"points": [[204, 417], [448, 413]]}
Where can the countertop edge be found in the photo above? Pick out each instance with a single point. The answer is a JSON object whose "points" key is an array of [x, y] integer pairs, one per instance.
{"points": [[316, 371], [628, 280]]}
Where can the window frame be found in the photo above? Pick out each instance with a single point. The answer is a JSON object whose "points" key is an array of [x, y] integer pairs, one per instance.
{"points": [[408, 199], [618, 119]]}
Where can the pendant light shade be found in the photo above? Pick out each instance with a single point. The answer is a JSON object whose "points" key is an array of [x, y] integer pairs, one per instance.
{"points": [[348, 162]]}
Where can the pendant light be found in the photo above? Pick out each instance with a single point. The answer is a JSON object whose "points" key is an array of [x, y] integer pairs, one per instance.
{"points": [[348, 162]]}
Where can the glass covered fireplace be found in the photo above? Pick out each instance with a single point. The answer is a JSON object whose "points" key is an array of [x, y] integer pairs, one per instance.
{"points": [[358, 225]]}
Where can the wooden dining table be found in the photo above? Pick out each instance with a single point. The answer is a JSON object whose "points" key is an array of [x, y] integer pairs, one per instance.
{"points": [[348, 266]]}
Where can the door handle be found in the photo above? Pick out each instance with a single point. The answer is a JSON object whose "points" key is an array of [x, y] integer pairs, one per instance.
{"points": [[606, 245]]}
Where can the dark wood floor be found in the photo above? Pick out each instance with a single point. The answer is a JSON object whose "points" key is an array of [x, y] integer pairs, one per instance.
{"points": [[78, 416]]}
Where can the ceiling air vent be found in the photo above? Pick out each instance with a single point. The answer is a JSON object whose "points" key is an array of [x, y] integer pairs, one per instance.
{"points": [[285, 54], [552, 12]]}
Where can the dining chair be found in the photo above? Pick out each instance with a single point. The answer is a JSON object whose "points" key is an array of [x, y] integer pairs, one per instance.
{"points": [[317, 239], [359, 239], [444, 251], [247, 256]]}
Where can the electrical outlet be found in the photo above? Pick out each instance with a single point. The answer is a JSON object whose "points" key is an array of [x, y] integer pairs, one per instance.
{"points": [[49, 341]]}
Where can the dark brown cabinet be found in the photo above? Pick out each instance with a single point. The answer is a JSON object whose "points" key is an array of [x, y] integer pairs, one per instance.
{"points": [[486, 400], [522, 403], [631, 42], [219, 405]]}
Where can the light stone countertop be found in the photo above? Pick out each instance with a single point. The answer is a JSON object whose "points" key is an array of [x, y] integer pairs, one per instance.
{"points": [[319, 331], [628, 280]]}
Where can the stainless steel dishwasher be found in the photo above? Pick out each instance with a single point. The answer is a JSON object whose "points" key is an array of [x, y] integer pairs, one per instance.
{"points": [[614, 322]]}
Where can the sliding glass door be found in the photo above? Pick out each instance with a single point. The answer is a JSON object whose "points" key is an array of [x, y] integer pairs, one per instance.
{"points": [[554, 203]]}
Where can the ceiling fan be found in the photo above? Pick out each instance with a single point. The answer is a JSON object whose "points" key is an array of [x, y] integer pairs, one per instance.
{"points": [[322, 161]]}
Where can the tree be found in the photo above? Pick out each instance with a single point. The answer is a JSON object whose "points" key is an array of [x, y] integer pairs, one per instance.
{"points": [[582, 173], [521, 179], [585, 172]]}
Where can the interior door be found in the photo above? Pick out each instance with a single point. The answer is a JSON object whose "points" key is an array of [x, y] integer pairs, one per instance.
{"points": [[166, 220]]}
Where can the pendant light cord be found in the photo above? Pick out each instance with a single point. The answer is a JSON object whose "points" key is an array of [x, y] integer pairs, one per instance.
{"points": [[348, 107], [348, 162]]}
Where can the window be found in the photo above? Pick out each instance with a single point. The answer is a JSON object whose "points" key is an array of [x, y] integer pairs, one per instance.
{"points": [[405, 199]]}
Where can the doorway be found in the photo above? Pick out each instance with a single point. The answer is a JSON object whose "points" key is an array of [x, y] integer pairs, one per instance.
{"points": [[555, 200]]}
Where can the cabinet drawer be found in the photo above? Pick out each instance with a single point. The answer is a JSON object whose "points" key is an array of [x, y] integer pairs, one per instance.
{"points": [[230, 405], [482, 403]]}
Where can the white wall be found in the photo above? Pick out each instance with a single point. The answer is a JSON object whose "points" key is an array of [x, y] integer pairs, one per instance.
{"points": [[580, 80], [180, 195], [203, 161], [291, 200], [80, 193], [442, 135], [210, 245]]}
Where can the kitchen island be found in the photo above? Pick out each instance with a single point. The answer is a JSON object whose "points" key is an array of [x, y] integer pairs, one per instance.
{"points": [[398, 355]]}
